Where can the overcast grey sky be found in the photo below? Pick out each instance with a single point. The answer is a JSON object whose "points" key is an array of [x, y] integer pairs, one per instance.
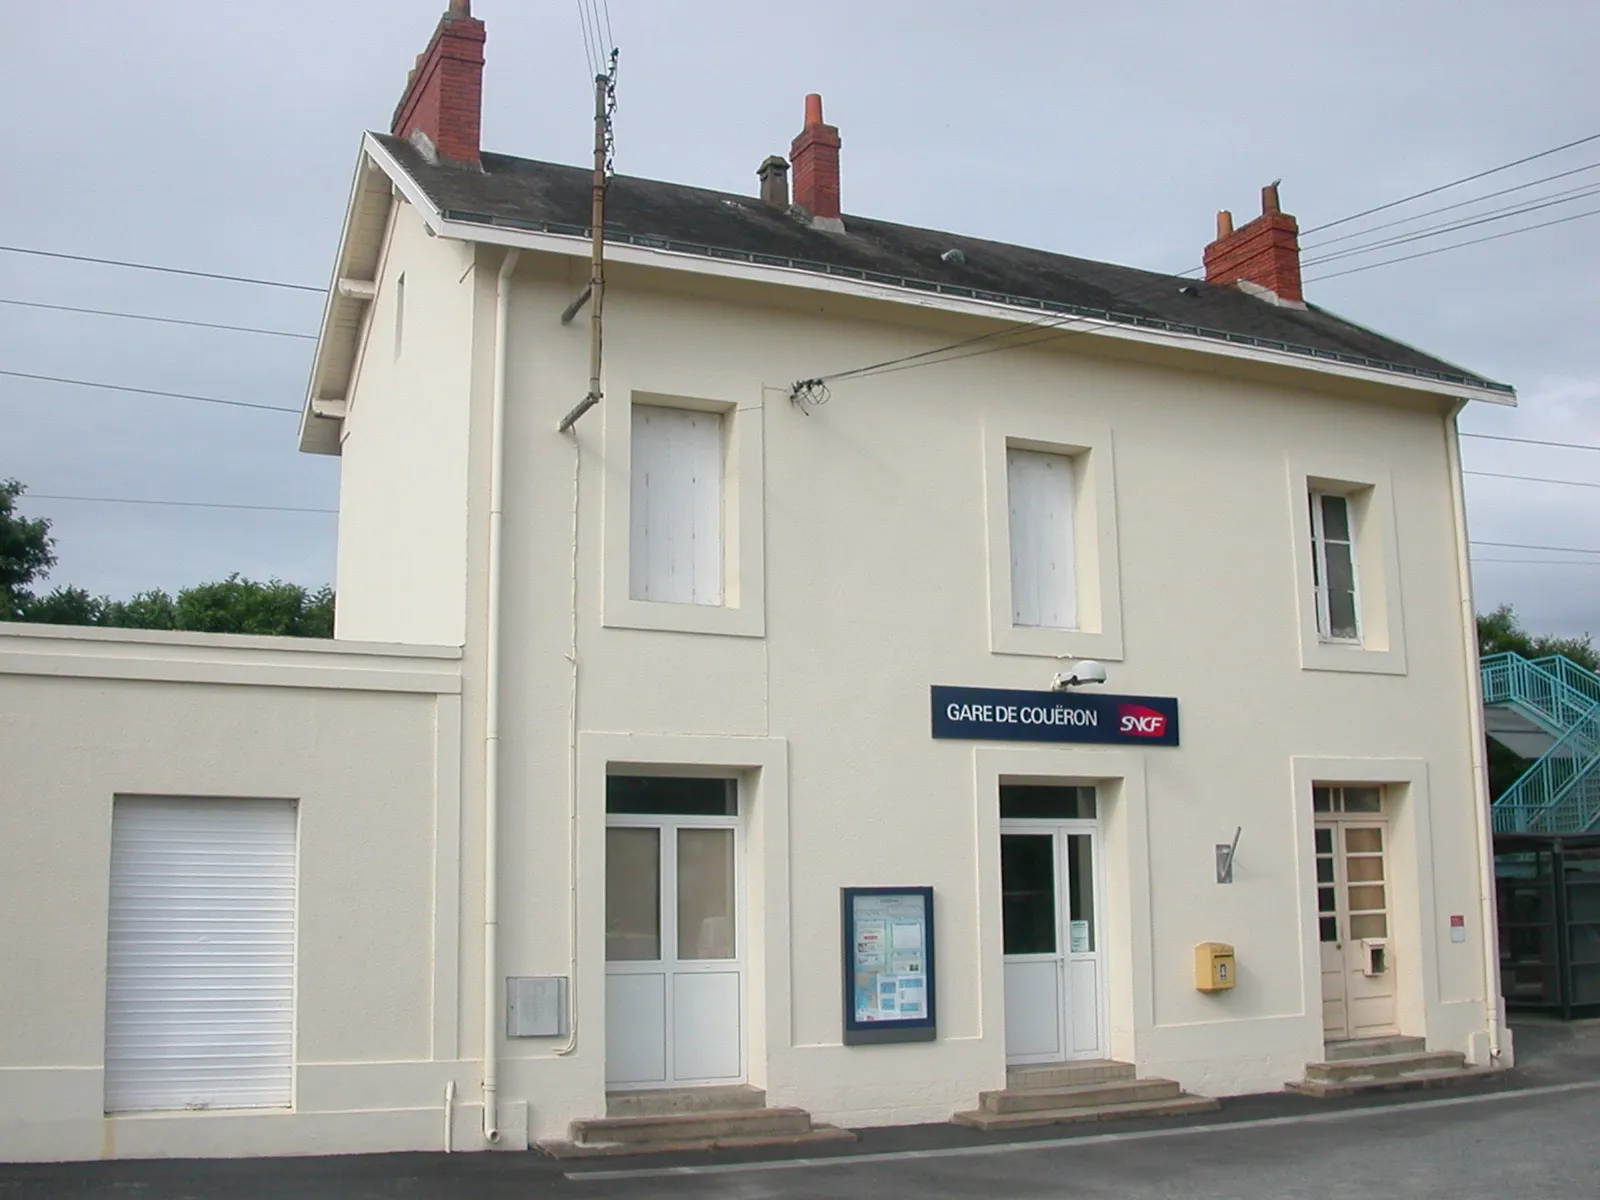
{"points": [[222, 137]]}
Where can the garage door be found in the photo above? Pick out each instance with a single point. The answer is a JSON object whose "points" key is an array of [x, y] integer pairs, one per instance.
{"points": [[200, 969]]}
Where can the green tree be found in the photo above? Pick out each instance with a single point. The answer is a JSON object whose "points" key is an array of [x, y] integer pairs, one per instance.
{"points": [[27, 552], [1500, 630], [231, 605]]}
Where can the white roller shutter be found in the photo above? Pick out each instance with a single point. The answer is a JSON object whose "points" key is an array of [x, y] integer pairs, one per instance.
{"points": [[675, 533], [200, 971], [1043, 571]]}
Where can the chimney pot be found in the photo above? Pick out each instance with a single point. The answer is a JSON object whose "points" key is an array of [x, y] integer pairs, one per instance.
{"points": [[815, 158], [1265, 251], [443, 99], [774, 175]]}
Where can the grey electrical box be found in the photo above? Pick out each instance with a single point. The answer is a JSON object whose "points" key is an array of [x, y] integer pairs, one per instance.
{"points": [[536, 1006]]}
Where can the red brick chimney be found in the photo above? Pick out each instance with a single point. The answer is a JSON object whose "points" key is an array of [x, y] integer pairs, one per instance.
{"points": [[444, 96], [1266, 252], [815, 159]]}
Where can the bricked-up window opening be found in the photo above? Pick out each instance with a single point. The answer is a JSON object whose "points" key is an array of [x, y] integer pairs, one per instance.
{"points": [[1333, 568]]}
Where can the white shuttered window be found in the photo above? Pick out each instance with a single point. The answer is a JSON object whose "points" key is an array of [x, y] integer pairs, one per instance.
{"points": [[1043, 581], [675, 534], [200, 969]]}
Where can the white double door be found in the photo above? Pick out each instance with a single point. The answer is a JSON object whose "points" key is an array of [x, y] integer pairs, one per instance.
{"points": [[674, 952], [1054, 972]]}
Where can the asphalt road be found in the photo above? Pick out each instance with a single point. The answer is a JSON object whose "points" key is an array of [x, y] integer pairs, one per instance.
{"points": [[1532, 1138]]}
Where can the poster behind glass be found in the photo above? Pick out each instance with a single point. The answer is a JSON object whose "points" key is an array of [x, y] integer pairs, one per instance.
{"points": [[888, 965]]}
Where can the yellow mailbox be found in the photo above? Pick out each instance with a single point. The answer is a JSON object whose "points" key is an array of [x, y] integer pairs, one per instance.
{"points": [[1213, 967]]}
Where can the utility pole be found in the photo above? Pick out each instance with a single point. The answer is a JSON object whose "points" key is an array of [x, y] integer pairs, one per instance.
{"points": [[604, 94]]}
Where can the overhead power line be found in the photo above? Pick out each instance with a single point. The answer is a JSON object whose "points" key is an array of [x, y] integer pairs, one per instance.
{"points": [[1493, 237], [1433, 212], [1544, 562], [1501, 437], [128, 316], [1570, 196], [1453, 183], [1534, 479], [814, 390], [138, 266], [139, 391], [1526, 546], [283, 508]]}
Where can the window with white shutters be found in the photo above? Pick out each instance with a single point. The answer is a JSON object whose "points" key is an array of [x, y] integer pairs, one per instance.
{"points": [[1043, 572], [200, 964], [675, 506]]}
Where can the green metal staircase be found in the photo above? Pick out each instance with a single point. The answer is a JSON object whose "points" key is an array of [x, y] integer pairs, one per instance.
{"points": [[1547, 709]]}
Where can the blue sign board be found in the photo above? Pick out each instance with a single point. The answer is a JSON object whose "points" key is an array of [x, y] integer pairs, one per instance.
{"points": [[999, 714]]}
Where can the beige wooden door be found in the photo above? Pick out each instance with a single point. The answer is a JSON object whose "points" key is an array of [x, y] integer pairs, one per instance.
{"points": [[1353, 923]]}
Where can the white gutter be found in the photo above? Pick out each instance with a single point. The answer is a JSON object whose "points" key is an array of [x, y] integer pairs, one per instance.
{"points": [[491, 733], [1480, 772]]}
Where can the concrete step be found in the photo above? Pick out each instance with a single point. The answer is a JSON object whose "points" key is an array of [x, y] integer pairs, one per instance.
{"points": [[1181, 1105], [692, 1127], [1385, 1066], [1083, 1095], [817, 1134], [1067, 1074], [661, 1102], [1415, 1081], [1377, 1047]]}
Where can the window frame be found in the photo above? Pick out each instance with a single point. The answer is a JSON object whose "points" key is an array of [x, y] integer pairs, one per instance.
{"points": [[742, 612], [1319, 564], [1096, 566], [1380, 647]]}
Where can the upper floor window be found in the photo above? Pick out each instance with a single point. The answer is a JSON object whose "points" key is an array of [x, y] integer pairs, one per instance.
{"points": [[1333, 568], [1346, 557], [1043, 562], [675, 543]]}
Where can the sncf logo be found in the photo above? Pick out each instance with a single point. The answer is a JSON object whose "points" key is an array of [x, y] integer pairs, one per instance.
{"points": [[1139, 721]]}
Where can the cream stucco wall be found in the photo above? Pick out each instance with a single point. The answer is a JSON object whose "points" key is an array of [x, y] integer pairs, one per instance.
{"points": [[875, 570], [366, 740], [403, 465]]}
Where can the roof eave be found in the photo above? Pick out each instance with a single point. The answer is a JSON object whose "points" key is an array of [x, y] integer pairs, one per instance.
{"points": [[735, 265], [343, 311]]}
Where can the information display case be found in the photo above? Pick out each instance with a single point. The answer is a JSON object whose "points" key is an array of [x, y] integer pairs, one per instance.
{"points": [[889, 980]]}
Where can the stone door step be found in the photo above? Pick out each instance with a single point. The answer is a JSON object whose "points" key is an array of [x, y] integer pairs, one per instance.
{"points": [[663, 1102], [1081, 1095], [1384, 1066], [1375, 1047], [1180, 1105], [1067, 1074], [1407, 1082], [817, 1134]]}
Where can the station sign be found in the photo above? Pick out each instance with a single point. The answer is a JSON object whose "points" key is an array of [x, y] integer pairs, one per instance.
{"points": [[1002, 714]]}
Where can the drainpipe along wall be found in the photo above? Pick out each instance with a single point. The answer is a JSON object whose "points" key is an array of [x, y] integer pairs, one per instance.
{"points": [[491, 735], [1480, 773]]}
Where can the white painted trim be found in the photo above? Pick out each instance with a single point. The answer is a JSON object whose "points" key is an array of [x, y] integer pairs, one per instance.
{"points": [[579, 247], [87, 653], [1413, 928], [1097, 560], [765, 819], [742, 612], [1123, 849]]}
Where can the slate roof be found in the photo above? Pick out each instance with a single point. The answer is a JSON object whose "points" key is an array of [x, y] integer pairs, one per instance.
{"points": [[522, 193]]}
